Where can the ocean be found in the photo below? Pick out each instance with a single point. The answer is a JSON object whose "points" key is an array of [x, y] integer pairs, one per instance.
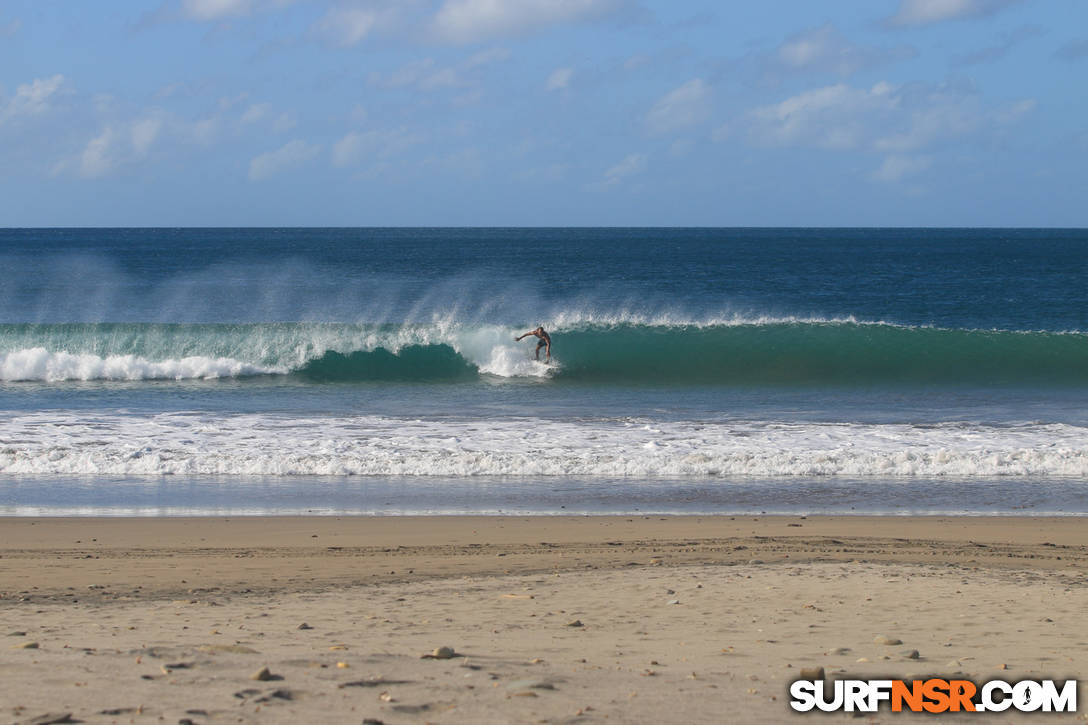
{"points": [[696, 371]]}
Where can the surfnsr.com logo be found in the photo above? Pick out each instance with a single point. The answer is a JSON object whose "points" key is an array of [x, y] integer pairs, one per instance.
{"points": [[934, 695]]}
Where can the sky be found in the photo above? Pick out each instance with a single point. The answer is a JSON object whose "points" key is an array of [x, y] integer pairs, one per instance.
{"points": [[544, 113]]}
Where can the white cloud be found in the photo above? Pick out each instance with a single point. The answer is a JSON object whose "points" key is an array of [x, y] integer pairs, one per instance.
{"points": [[293, 153], [96, 159], [560, 78], [927, 12], [936, 120], [143, 134], [825, 117], [883, 118], [407, 75], [1016, 111], [354, 147], [31, 98], [214, 9], [425, 75], [347, 26], [486, 57], [258, 112], [255, 112], [631, 165], [896, 168], [681, 147], [348, 150], [682, 107], [421, 74], [825, 49], [284, 122], [443, 78], [203, 131], [115, 147], [469, 21]]}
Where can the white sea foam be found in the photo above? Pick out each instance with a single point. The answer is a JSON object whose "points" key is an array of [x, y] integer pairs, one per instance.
{"points": [[201, 444], [268, 350], [42, 365]]}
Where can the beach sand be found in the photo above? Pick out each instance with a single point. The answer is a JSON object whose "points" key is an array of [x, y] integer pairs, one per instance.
{"points": [[552, 619]]}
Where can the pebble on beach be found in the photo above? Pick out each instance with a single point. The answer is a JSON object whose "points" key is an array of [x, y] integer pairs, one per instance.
{"points": [[440, 653], [886, 640], [262, 675]]}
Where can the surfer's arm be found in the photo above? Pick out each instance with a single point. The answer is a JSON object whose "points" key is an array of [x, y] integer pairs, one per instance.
{"points": [[518, 338]]}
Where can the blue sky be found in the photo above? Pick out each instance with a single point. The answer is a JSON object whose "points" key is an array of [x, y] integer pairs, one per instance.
{"points": [[544, 112]]}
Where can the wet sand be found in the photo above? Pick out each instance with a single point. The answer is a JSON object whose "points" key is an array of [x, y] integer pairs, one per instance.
{"points": [[552, 619]]}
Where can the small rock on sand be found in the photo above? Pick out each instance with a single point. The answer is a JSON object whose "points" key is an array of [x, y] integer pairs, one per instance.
{"points": [[441, 653], [886, 640], [304, 626], [262, 675], [575, 623], [839, 651], [811, 673], [26, 645], [911, 654]]}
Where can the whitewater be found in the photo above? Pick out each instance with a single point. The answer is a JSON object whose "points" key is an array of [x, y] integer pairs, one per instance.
{"points": [[270, 445]]}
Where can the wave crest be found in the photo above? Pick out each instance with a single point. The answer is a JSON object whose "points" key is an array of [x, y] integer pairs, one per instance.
{"points": [[39, 364]]}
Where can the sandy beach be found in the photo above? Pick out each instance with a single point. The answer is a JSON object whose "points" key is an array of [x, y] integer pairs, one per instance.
{"points": [[550, 619]]}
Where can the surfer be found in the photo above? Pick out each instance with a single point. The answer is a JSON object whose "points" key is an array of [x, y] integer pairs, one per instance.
{"points": [[545, 342]]}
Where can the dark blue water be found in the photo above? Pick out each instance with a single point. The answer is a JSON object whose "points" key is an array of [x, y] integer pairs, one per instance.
{"points": [[1014, 279], [694, 369]]}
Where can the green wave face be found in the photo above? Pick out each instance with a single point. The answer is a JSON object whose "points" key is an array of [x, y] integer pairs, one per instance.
{"points": [[773, 353], [417, 363], [820, 353]]}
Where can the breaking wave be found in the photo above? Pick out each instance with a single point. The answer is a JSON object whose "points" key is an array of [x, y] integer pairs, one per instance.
{"points": [[784, 351]]}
